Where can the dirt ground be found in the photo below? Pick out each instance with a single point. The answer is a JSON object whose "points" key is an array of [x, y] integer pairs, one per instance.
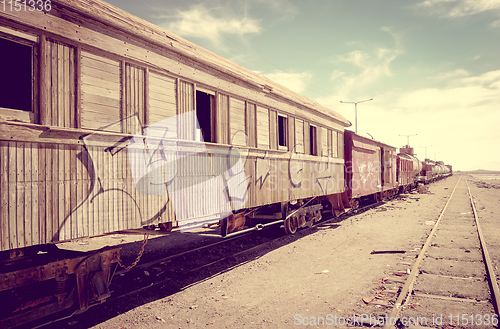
{"points": [[326, 275]]}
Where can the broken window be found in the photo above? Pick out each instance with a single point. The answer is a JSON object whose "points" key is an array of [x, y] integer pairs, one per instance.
{"points": [[16, 67], [204, 114], [282, 131], [313, 141]]}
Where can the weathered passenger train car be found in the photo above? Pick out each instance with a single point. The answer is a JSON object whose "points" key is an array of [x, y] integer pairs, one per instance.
{"points": [[108, 122]]}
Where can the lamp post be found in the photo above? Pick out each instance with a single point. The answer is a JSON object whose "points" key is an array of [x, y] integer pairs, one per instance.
{"points": [[425, 147], [408, 139], [356, 111]]}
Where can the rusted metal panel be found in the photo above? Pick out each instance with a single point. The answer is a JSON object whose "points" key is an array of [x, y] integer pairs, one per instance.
{"points": [[363, 165]]}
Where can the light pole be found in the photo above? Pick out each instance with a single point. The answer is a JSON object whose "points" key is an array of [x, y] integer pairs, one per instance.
{"points": [[425, 147], [408, 139], [356, 111]]}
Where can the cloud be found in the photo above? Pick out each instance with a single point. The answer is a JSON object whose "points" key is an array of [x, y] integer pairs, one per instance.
{"points": [[458, 8], [211, 24], [294, 81], [462, 91], [366, 68]]}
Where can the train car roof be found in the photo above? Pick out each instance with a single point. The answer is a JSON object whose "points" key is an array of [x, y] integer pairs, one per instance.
{"points": [[129, 25], [366, 140]]}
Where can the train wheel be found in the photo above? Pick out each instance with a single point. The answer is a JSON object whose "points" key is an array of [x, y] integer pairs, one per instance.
{"points": [[291, 225]]}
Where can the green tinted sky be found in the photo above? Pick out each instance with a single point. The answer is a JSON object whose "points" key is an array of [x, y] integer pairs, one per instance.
{"points": [[432, 67]]}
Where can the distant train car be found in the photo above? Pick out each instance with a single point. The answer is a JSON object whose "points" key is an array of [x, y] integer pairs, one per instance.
{"points": [[433, 171], [409, 168], [370, 169]]}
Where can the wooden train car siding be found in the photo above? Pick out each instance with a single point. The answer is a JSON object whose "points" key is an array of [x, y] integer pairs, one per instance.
{"points": [[237, 122], [62, 183], [262, 128], [162, 100], [101, 92], [299, 136], [251, 124], [61, 96], [134, 99], [222, 118], [186, 118]]}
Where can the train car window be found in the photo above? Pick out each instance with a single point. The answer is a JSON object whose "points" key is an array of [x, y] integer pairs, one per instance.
{"points": [[16, 67], [282, 131], [313, 140], [204, 114]]}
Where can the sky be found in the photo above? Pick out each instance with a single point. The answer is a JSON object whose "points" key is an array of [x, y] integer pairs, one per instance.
{"points": [[432, 67]]}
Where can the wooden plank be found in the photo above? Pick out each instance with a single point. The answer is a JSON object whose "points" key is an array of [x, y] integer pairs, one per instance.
{"points": [[334, 144], [20, 190], [89, 100], [35, 228], [99, 210], [93, 86], [251, 124], [44, 82], [262, 127], [69, 100], [273, 130], [88, 56], [72, 182], [28, 183], [146, 97], [42, 194], [322, 142], [164, 109], [299, 136], [12, 196], [55, 194], [115, 193], [50, 229], [61, 122], [307, 143], [237, 122], [291, 134], [78, 87], [79, 222], [4, 196], [100, 74], [64, 225], [66, 201], [53, 78]]}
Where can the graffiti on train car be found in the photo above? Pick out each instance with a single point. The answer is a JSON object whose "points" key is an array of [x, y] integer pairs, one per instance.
{"points": [[153, 177]]}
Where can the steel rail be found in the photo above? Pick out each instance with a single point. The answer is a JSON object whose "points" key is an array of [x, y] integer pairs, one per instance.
{"points": [[406, 288], [486, 255]]}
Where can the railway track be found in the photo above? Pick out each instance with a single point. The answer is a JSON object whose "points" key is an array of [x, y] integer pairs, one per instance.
{"points": [[452, 283]]}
